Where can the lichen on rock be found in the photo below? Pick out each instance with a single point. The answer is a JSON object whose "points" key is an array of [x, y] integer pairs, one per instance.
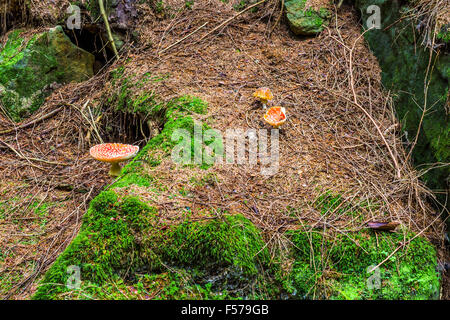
{"points": [[28, 68]]}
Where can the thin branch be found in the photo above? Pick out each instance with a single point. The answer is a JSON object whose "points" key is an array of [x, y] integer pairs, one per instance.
{"points": [[108, 28], [231, 19], [26, 125], [184, 38]]}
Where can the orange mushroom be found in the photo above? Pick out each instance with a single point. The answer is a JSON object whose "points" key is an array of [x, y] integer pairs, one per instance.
{"points": [[113, 153], [275, 116], [263, 95]]}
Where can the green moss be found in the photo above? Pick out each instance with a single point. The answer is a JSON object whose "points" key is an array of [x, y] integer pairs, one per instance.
{"points": [[336, 266], [334, 204], [135, 96], [305, 21], [106, 245], [188, 4], [125, 251], [444, 34], [234, 241], [162, 286], [140, 180], [333, 265], [145, 103], [11, 53], [120, 236], [175, 115], [328, 202]]}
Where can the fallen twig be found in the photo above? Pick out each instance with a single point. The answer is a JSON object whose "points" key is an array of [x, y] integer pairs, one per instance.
{"points": [[26, 125], [33, 159], [231, 19], [184, 38], [279, 17]]}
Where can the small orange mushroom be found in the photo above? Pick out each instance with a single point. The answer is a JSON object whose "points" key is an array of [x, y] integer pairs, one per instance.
{"points": [[113, 153], [263, 95], [275, 116]]}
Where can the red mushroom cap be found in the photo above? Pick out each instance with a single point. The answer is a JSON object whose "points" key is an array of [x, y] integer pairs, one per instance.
{"points": [[275, 116], [113, 152]]}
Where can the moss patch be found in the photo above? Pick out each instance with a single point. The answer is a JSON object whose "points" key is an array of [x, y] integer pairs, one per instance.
{"points": [[303, 20], [336, 267]]}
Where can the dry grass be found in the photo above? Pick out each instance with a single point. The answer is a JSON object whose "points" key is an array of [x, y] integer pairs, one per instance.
{"points": [[20, 13], [44, 164], [431, 16]]}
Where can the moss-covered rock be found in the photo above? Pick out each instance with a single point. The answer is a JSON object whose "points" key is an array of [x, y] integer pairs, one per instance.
{"points": [[120, 237], [304, 20], [404, 66], [29, 68], [124, 246]]}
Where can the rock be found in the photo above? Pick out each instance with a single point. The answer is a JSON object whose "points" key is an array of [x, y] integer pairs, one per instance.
{"points": [[404, 63], [121, 14], [304, 19], [119, 40], [122, 17], [29, 70]]}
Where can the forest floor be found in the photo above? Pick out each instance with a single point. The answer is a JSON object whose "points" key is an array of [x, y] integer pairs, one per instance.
{"points": [[331, 144]]}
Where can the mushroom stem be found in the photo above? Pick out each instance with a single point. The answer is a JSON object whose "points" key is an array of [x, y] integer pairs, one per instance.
{"points": [[115, 169]]}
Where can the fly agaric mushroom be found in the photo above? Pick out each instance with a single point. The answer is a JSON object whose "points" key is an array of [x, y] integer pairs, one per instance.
{"points": [[113, 153], [275, 116], [263, 95]]}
